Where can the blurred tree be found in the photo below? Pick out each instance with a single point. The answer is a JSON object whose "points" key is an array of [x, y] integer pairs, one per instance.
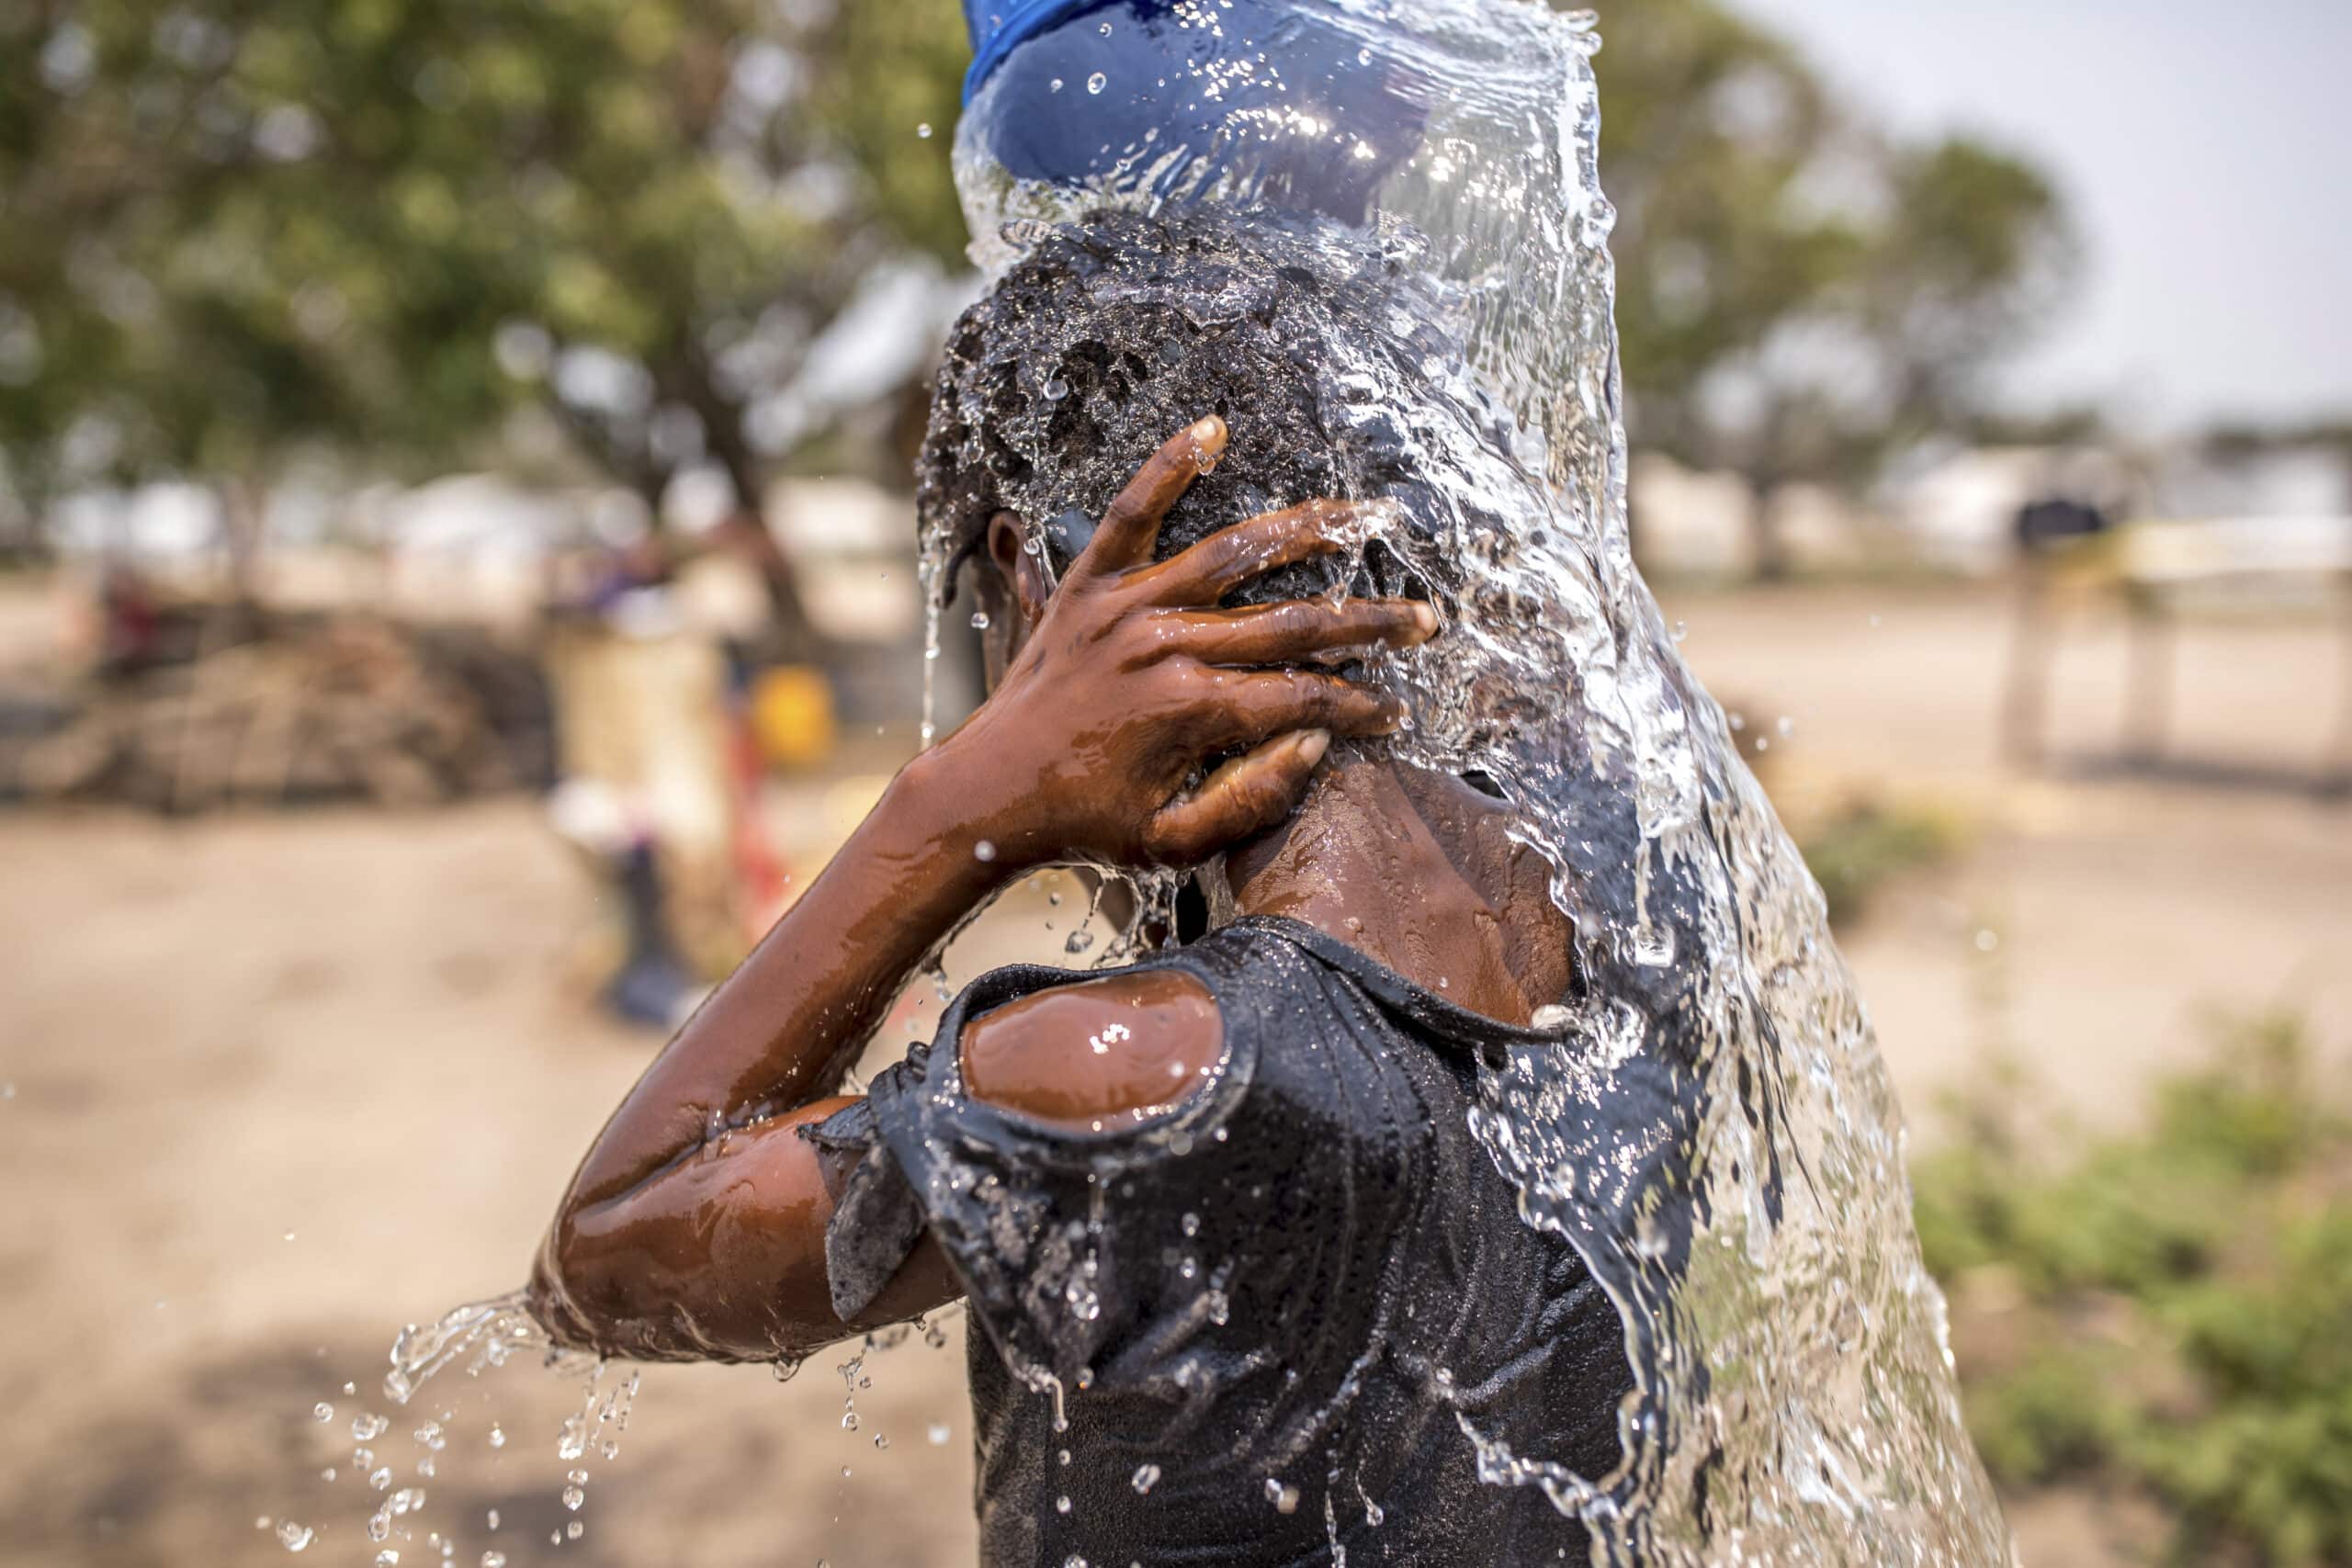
{"points": [[228, 228], [1799, 295]]}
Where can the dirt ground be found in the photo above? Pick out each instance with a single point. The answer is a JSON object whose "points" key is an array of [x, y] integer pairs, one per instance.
{"points": [[275, 1085]]}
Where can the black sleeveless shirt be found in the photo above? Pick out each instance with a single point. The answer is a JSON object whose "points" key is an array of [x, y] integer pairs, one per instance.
{"points": [[1282, 1324]]}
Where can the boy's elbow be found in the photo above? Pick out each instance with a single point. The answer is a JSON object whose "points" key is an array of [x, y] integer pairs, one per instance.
{"points": [[552, 1300], [603, 1286]]}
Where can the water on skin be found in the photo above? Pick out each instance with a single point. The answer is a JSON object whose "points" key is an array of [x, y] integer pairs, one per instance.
{"points": [[1718, 1138]]}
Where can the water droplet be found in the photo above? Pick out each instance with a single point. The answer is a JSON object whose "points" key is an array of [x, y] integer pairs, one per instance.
{"points": [[289, 1236], [1062, 1505], [1283, 1495], [366, 1427], [294, 1536], [322, 1411], [493, 1518], [923, 130], [1056, 389], [497, 1436], [984, 851], [573, 1497], [979, 620], [386, 1558], [382, 1478], [1192, 1224], [1786, 726], [1094, 83], [1055, 86], [938, 1434], [1146, 1477], [1681, 630], [1986, 941], [494, 1559], [574, 1530], [880, 1441]]}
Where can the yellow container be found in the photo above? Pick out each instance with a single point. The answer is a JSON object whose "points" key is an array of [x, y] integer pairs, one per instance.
{"points": [[792, 715]]}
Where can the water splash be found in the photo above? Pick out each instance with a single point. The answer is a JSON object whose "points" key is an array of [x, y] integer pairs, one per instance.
{"points": [[488, 1333], [1717, 1135]]}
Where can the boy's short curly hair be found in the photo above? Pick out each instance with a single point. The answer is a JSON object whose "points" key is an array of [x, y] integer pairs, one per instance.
{"points": [[1116, 331]]}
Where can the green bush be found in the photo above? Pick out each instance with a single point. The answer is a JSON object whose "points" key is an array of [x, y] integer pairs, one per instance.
{"points": [[1857, 851], [2168, 1311]]}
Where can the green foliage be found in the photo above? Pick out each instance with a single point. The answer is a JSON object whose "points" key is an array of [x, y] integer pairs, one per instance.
{"points": [[1861, 849], [2169, 1311], [228, 227]]}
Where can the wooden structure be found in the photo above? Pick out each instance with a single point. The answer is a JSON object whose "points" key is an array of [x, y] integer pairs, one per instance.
{"points": [[2152, 566]]}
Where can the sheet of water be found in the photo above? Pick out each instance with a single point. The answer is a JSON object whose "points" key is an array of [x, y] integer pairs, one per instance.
{"points": [[1719, 1139]]}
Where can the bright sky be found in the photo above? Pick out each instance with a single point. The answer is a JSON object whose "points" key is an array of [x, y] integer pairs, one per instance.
{"points": [[2206, 151]]}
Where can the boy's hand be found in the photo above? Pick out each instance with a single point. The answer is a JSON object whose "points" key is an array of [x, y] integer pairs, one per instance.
{"points": [[1134, 681]]}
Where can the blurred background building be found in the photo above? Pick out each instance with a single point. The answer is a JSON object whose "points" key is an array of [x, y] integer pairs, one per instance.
{"points": [[458, 582]]}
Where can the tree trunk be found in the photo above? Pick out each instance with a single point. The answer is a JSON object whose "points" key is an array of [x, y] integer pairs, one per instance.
{"points": [[723, 441], [1772, 563], [245, 522]]}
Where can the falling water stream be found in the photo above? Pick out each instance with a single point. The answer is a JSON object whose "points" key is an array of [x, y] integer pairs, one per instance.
{"points": [[1717, 1135]]}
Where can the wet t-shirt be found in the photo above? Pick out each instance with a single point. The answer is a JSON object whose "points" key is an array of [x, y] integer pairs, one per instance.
{"points": [[1287, 1320]]}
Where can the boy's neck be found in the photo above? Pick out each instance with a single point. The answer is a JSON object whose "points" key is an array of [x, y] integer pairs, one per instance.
{"points": [[1416, 870]]}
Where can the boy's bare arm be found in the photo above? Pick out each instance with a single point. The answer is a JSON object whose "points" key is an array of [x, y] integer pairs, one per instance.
{"points": [[694, 1225]]}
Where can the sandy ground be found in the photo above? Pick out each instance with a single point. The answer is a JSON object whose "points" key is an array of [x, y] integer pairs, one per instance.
{"points": [[276, 1086]]}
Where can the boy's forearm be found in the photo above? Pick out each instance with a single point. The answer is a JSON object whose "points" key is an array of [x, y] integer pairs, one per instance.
{"points": [[785, 1025]]}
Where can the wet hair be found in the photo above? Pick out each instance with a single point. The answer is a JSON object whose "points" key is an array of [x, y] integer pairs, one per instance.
{"points": [[1116, 331]]}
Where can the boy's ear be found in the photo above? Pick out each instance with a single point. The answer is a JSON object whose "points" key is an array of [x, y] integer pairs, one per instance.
{"points": [[1020, 573]]}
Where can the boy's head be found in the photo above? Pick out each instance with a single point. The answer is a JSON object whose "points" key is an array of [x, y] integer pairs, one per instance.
{"points": [[1117, 333]]}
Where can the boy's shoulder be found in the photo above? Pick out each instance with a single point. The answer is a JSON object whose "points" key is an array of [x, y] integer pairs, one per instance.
{"points": [[1096, 1054]]}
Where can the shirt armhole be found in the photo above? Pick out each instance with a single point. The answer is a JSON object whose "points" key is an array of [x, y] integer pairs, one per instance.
{"points": [[1096, 1056]]}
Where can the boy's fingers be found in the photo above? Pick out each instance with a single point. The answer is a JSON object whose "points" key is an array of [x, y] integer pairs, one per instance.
{"points": [[1301, 628], [1271, 701], [1225, 561], [1131, 526], [1252, 791]]}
